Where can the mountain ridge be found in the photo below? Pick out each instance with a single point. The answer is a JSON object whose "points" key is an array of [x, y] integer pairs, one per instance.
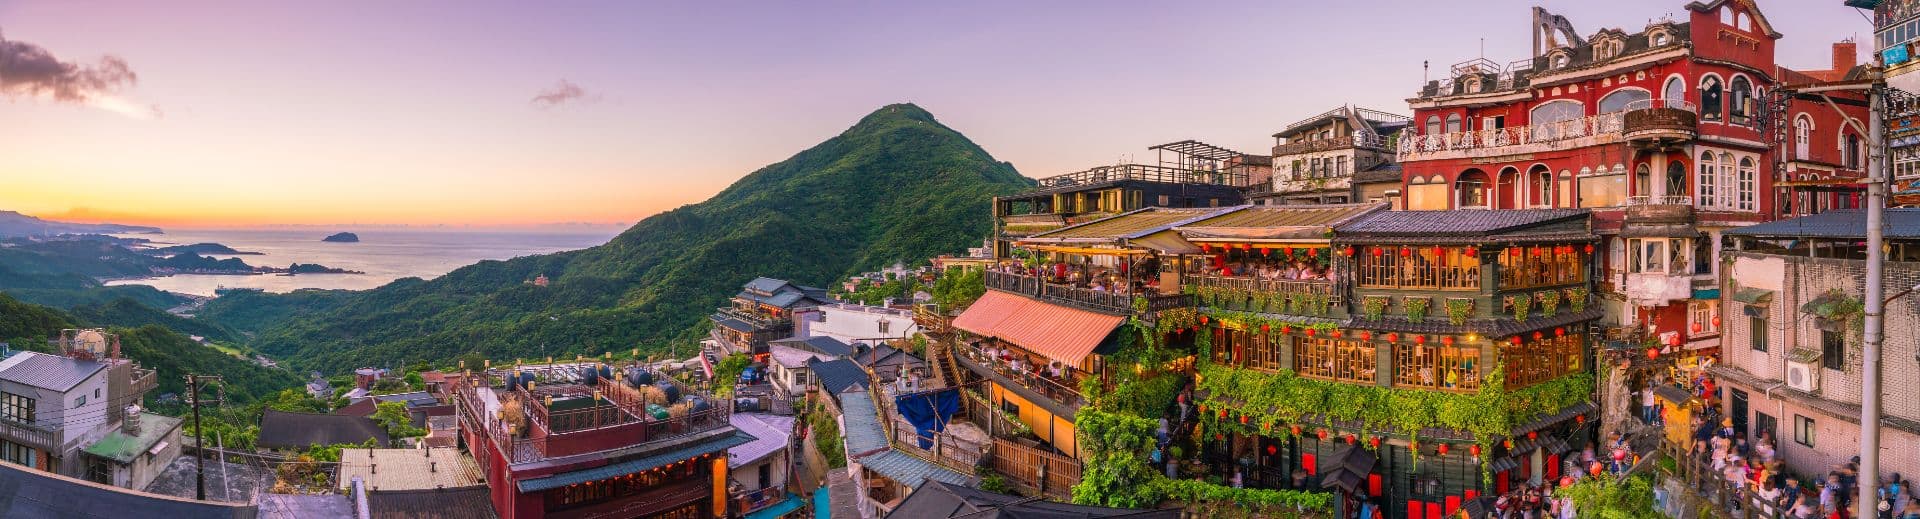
{"points": [[15, 224], [897, 185]]}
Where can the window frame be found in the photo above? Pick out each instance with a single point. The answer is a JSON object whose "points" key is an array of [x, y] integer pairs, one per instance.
{"points": [[1803, 430], [1833, 350], [1757, 333]]}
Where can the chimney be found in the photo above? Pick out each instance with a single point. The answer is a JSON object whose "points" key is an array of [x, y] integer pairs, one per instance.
{"points": [[1846, 54]]}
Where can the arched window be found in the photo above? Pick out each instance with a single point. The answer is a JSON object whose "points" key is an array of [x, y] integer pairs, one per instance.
{"points": [[1726, 16], [1675, 93], [1540, 187], [1706, 182], [1740, 101], [1723, 193], [1619, 100], [1802, 137], [1676, 179], [1852, 149], [1748, 185], [1710, 99], [1548, 118], [1453, 123], [1471, 190], [1741, 21], [1643, 180], [1433, 125]]}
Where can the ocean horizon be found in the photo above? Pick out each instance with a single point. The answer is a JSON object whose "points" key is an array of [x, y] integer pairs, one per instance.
{"points": [[384, 254]]}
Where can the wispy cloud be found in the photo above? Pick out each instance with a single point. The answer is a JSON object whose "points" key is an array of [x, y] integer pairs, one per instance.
{"points": [[30, 71], [562, 93]]}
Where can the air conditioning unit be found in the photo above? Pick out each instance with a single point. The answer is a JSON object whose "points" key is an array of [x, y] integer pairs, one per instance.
{"points": [[1803, 376]]}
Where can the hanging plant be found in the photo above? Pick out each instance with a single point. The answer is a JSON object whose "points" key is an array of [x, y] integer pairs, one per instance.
{"points": [[1416, 308], [1373, 307], [1458, 310], [1521, 306], [1577, 299], [1549, 302]]}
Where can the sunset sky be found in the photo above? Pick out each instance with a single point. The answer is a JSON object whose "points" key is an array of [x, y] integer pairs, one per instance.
{"points": [[498, 113]]}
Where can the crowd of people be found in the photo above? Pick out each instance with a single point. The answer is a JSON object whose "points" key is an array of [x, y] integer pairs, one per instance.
{"points": [[1272, 269], [1089, 277]]}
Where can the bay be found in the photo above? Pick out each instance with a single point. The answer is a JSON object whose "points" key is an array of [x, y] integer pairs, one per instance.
{"points": [[383, 254]]}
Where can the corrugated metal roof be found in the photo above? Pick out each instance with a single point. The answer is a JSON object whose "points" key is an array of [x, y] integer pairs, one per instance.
{"points": [[1058, 332], [451, 503], [819, 343], [731, 323], [408, 469], [1276, 222], [47, 371], [284, 430], [839, 374], [623, 468], [862, 424], [1900, 223], [910, 470], [1129, 225], [1459, 222], [771, 433], [31, 493]]}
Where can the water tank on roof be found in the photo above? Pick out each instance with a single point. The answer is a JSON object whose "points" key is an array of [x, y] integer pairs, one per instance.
{"points": [[606, 372], [701, 405], [672, 391], [638, 377], [588, 375]]}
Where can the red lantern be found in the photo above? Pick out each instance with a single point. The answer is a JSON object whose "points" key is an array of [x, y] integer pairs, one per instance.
{"points": [[1533, 435], [1508, 443], [1439, 251], [1207, 248], [1288, 250], [1203, 319], [1538, 336], [1653, 353], [1374, 441], [1515, 340], [1404, 252], [1352, 440], [1322, 433], [1219, 437], [1442, 449], [1349, 251], [1335, 334], [1393, 337], [1474, 450], [1295, 429], [1203, 408], [1263, 327], [1309, 332], [1271, 450], [1696, 327], [1243, 419], [1378, 251], [1223, 414], [1560, 332], [1589, 248], [1266, 426], [1472, 251], [1579, 418], [1286, 329], [1419, 339], [1448, 340], [1716, 321], [1366, 335], [1266, 251]]}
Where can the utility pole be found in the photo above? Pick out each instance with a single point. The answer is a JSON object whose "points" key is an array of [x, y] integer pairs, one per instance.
{"points": [[199, 439], [1875, 299]]}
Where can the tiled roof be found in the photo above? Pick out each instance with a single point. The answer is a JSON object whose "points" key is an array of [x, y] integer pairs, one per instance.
{"points": [[731, 323], [284, 430], [28, 493], [408, 469], [1275, 221], [1459, 222], [362, 407], [1384, 172], [47, 371], [910, 470], [884, 355], [862, 424], [453, 503], [791, 357], [943, 499], [1900, 223], [711, 445], [1058, 332], [413, 399], [838, 375], [121, 447], [1133, 224], [771, 433]]}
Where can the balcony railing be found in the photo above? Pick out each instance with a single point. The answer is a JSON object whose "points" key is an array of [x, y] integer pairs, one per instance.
{"points": [[44, 438], [1659, 200], [1146, 173], [747, 501], [1661, 118], [1268, 295], [1336, 143], [1034, 469], [1500, 141], [1114, 302], [1066, 390], [623, 423]]}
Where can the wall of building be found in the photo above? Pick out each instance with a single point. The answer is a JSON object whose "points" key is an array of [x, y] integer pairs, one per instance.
{"points": [[856, 324]]}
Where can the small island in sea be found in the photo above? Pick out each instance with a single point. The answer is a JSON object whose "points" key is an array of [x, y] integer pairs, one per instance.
{"points": [[344, 237], [304, 268], [199, 248]]}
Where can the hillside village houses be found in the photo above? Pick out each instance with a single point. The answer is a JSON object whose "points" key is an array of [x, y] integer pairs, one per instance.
{"points": [[1633, 244]]}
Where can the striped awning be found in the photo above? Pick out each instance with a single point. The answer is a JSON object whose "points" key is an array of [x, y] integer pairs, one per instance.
{"points": [[1060, 333]]}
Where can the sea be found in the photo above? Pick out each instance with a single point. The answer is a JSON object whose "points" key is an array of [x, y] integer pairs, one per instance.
{"points": [[383, 254]]}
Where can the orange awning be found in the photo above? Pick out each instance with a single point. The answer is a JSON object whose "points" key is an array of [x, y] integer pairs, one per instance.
{"points": [[1058, 332]]}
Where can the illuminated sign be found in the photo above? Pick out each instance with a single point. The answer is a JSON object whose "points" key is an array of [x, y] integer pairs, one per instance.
{"points": [[1895, 55]]}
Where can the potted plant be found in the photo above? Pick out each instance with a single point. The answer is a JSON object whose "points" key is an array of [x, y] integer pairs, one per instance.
{"points": [[1458, 310], [1416, 308], [1549, 302], [1373, 307]]}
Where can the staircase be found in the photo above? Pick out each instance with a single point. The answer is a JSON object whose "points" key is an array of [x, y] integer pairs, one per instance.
{"points": [[938, 327]]}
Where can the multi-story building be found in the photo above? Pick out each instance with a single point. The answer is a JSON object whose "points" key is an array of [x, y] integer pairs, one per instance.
{"points": [[1791, 367], [1197, 175], [1670, 134], [581, 440], [761, 312], [1896, 28], [855, 324], [1317, 158], [64, 413]]}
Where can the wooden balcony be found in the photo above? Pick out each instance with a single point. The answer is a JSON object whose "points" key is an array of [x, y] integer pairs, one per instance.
{"points": [[1035, 470], [1336, 143], [1275, 296], [1061, 397], [44, 438]]}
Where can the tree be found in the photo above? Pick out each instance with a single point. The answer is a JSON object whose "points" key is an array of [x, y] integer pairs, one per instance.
{"points": [[393, 416], [296, 401]]}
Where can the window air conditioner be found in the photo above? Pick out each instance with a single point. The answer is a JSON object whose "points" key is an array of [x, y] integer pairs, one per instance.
{"points": [[1803, 376]]}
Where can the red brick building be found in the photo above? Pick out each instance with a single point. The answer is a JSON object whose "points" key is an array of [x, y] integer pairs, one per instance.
{"points": [[1670, 133]]}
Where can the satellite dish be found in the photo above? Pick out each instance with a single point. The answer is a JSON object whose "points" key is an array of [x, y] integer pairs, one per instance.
{"points": [[91, 341]]}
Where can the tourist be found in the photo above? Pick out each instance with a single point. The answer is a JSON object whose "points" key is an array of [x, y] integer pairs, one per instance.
{"points": [[1647, 404]]}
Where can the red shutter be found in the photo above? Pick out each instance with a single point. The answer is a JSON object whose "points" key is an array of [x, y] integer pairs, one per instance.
{"points": [[1413, 509], [1306, 462], [1433, 511], [1553, 467], [1471, 493], [1500, 482], [1373, 485], [1453, 504]]}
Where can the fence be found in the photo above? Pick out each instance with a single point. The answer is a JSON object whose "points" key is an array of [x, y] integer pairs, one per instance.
{"points": [[1716, 497], [1035, 469]]}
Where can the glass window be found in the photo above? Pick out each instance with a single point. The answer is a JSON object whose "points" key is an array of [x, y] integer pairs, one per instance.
{"points": [[1551, 120], [1705, 314], [1707, 181], [1740, 101], [16, 453], [16, 407], [1853, 152], [1540, 360], [1453, 123], [1604, 189], [1675, 93], [1833, 349], [1749, 185], [1619, 100], [1802, 137], [1757, 331], [1433, 125], [1803, 430], [1710, 99], [1471, 189], [1431, 367]]}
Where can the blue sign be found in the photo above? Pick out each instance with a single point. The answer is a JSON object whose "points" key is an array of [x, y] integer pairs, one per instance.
{"points": [[1895, 55]]}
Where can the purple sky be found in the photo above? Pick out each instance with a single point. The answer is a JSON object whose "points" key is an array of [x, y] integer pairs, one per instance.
{"points": [[425, 112]]}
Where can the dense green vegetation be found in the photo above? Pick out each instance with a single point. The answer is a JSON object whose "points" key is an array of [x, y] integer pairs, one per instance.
{"points": [[61, 273], [250, 311], [171, 354], [128, 312], [897, 186]]}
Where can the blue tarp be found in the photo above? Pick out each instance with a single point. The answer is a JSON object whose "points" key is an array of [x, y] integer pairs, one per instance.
{"points": [[781, 509], [928, 412]]}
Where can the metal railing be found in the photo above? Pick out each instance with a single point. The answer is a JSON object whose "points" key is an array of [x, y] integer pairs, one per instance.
{"points": [[1144, 172], [1671, 104], [1493, 138], [1336, 143], [44, 438], [748, 501], [586, 430], [1066, 391], [1116, 302], [1660, 200]]}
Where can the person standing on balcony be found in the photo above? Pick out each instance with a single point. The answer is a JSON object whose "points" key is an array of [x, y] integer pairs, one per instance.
{"points": [[1647, 404]]}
